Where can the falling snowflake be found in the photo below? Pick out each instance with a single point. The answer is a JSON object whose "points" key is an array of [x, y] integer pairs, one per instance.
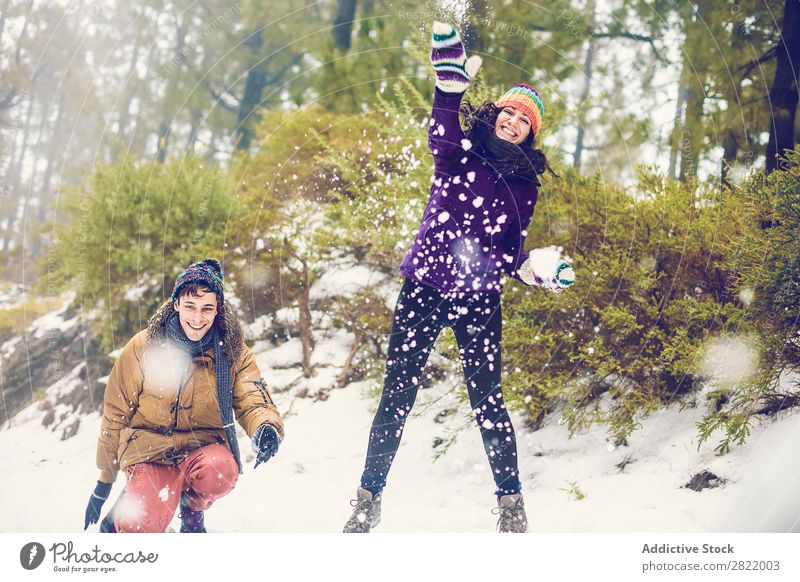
{"points": [[729, 359], [163, 495]]}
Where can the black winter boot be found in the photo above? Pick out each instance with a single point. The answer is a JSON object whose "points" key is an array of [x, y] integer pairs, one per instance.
{"points": [[191, 520]]}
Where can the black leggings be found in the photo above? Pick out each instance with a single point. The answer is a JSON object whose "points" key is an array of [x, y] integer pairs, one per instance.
{"points": [[421, 313]]}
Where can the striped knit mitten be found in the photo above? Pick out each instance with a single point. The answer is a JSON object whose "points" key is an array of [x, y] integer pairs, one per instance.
{"points": [[454, 71], [546, 268]]}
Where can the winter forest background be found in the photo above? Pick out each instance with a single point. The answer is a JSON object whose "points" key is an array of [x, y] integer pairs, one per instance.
{"points": [[287, 138]]}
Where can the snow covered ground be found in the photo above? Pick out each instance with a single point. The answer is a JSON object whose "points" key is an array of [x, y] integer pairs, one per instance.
{"points": [[582, 484], [306, 488]]}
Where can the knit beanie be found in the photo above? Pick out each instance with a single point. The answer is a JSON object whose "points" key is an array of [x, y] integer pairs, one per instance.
{"points": [[207, 272], [526, 99]]}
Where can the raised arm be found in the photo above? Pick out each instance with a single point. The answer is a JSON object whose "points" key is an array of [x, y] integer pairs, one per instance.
{"points": [[454, 73]]}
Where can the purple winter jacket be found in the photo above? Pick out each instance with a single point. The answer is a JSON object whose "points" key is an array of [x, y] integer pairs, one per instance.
{"points": [[475, 222]]}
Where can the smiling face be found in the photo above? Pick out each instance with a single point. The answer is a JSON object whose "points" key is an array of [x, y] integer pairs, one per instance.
{"points": [[512, 125], [196, 311]]}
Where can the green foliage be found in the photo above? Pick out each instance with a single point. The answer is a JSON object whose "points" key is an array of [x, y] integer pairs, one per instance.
{"points": [[766, 261], [389, 42], [656, 281], [574, 491], [16, 318], [383, 182], [366, 316], [652, 287], [286, 187], [132, 229]]}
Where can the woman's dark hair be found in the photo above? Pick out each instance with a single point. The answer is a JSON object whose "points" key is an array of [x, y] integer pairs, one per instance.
{"points": [[522, 160]]}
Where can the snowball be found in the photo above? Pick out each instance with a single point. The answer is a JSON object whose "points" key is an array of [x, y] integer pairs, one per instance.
{"points": [[545, 261]]}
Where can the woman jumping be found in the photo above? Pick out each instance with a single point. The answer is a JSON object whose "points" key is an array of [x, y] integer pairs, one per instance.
{"points": [[473, 228]]}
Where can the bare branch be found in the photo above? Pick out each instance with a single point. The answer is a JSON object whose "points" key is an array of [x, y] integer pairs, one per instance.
{"points": [[219, 98], [767, 56], [631, 36]]}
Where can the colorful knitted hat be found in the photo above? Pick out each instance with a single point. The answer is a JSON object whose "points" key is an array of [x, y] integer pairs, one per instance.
{"points": [[526, 99], [207, 273]]}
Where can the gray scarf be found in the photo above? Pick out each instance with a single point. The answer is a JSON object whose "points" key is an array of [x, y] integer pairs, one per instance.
{"points": [[224, 391]]}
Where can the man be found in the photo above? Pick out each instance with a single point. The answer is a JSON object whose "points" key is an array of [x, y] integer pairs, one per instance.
{"points": [[169, 407]]}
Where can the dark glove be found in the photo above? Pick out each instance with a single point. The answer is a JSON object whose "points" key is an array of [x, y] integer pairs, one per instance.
{"points": [[265, 443], [96, 501]]}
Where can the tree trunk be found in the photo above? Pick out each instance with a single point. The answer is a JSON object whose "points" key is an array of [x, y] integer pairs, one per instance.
{"points": [[731, 138], [46, 197], [730, 149], [784, 92], [130, 91], [306, 334], [686, 140], [587, 82], [15, 175], [692, 135], [343, 23], [675, 140], [470, 33], [3, 19], [304, 309], [253, 88], [194, 129], [24, 144], [52, 157], [357, 343]]}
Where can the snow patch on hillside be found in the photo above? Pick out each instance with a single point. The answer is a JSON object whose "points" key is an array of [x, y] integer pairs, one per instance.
{"points": [[307, 486]]}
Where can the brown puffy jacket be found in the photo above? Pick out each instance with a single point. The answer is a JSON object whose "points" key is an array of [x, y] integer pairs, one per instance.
{"points": [[160, 403]]}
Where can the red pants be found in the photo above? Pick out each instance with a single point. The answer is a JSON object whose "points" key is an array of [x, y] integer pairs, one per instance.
{"points": [[154, 491]]}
